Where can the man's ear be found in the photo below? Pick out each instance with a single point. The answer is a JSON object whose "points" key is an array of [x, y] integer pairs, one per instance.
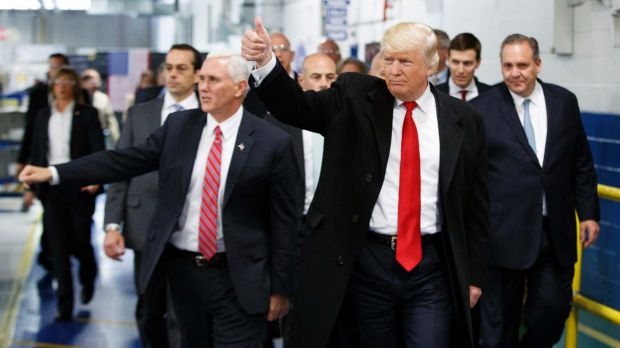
{"points": [[240, 88]]}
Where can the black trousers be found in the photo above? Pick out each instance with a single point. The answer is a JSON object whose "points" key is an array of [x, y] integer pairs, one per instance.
{"points": [[205, 304], [152, 308], [395, 308], [547, 302], [67, 220]]}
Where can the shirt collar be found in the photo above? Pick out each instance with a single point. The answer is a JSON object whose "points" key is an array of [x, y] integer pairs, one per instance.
{"points": [[537, 97], [68, 109], [424, 102], [454, 87], [191, 102], [228, 127]]}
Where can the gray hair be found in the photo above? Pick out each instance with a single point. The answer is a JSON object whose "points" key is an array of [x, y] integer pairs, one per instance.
{"points": [[410, 36], [514, 39], [442, 37], [238, 67]]}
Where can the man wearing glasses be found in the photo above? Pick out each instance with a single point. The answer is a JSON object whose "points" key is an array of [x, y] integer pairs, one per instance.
{"points": [[281, 47]]}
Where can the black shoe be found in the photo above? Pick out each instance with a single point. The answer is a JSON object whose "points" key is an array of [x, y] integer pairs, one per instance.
{"points": [[63, 317], [87, 294]]}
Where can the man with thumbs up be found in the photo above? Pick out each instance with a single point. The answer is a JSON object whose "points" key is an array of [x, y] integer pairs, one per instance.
{"points": [[400, 217]]}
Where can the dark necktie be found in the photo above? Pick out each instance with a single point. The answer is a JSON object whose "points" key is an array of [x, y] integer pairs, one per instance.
{"points": [[464, 95], [409, 245], [207, 225]]}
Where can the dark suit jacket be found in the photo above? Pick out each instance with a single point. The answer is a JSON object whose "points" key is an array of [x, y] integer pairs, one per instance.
{"points": [[133, 202], [38, 100], [86, 138], [255, 106], [517, 181], [482, 87], [258, 214], [355, 117], [144, 95]]}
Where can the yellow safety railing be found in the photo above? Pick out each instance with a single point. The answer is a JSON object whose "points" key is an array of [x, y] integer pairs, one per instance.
{"points": [[580, 301]]}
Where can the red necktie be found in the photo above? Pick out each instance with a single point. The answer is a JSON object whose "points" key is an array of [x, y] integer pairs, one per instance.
{"points": [[409, 244], [207, 227], [464, 95]]}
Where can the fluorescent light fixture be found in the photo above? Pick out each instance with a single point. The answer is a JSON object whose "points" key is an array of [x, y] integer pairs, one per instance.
{"points": [[20, 5], [73, 4], [49, 4]]}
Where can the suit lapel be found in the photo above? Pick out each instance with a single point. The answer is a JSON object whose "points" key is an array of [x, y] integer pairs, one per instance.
{"points": [[243, 147], [509, 113], [553, 118], [45, 134], [191, 136], [379, 110], [75, 129], [450, 141]]}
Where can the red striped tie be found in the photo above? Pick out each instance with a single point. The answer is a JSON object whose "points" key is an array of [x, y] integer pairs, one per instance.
{"points": [[207, 227], [408, 240]]}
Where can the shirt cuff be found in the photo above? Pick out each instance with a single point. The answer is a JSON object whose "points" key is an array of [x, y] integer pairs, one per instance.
{"points": [[262, 72], [112, 226], [55, 178]]}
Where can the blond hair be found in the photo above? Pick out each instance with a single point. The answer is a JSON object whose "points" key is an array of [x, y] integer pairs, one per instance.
{"points": [[410, 36]]}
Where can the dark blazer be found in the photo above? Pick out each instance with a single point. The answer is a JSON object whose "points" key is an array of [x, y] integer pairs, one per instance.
{"points": [[255, 106], [482, 87], [38, 100], [258, 214], [355, 117], [144, 95], [133, 202], [86, 138], [517, 180]]}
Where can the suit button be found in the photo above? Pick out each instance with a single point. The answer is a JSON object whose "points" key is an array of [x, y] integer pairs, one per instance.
{"points": [[354, 218], [368, 177], [340, 260]]}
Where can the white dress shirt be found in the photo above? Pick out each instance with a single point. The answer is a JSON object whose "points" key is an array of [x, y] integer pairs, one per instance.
{"points": [[59, 134], [455, 91], [538, 116], [169, 106], [307, 138], [186, 237], [384, 218]]}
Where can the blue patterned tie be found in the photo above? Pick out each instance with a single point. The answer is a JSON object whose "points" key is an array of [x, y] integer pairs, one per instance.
{"points": [[178, 107], [527, 125]]}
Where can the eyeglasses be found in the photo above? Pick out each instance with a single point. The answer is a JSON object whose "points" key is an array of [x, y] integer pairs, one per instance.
{"points": [[64, 82], [282, 48]]}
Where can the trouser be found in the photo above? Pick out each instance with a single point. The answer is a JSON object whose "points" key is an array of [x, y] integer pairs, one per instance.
{"points": [[547, 303], [67, 221]]}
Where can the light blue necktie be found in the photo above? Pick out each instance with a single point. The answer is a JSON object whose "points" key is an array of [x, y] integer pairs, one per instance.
{"points": [[527, 125], [178, 107]]}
